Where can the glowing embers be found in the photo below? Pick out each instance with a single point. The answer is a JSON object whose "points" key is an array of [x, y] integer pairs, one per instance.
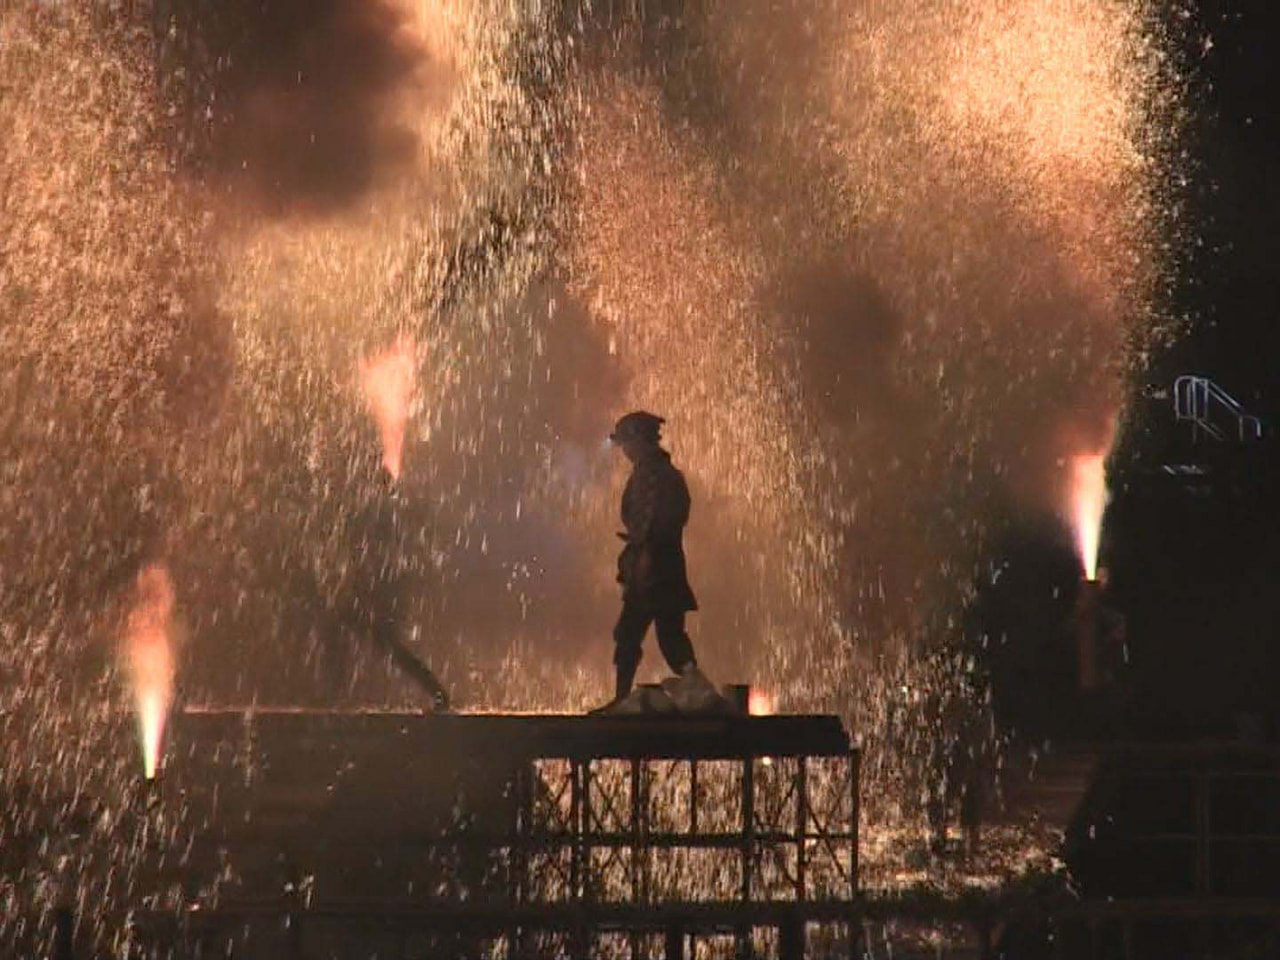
{"points": [[761, 703], [387, 379], [149, 658]]}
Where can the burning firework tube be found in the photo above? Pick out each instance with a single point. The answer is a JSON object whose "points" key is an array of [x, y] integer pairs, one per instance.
{"points": [[149, 658]]}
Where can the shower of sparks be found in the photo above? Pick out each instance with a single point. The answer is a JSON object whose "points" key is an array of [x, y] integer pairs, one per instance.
{"points": [[149, 656], [864, 273], [387, 380]]}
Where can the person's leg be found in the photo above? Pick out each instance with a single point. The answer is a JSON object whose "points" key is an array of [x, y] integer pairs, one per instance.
{"points": [[628, 636], [674, 642]]}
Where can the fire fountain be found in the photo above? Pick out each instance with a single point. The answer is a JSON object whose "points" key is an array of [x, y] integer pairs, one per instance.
{"points": [[148, 650], [549, 213], [1088, 494]]}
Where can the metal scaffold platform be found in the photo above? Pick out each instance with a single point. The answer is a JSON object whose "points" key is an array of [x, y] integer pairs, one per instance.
{"points": [[394, 834]]}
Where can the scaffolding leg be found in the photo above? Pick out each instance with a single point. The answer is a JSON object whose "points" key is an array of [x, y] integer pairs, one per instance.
{"points": [[64, 925], [295, 935], [742, 934], [674, 948], [791, 938]]}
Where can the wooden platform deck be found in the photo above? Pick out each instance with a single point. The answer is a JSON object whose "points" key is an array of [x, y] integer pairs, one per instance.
{"points": [[546, 735]]}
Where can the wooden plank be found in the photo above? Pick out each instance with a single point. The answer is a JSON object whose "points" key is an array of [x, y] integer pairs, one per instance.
{"points": [[532, 735]]}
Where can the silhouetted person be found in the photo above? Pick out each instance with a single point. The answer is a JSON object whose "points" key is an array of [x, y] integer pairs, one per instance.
{"points": [[651, 568]]}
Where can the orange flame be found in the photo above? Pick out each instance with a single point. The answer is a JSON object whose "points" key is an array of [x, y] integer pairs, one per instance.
{"points": [[150, 660], [387, 379], [1088, 501], [760, 703]]}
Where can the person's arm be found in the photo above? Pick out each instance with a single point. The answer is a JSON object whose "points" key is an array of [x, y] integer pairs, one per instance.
{"points": [[643, 564], [640, 526], [644, 506]]}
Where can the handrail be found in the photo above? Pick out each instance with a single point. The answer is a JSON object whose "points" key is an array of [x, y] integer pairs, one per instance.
{"points": [[1195, 397]]}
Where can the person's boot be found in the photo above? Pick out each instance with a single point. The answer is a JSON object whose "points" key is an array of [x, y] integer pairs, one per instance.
{"points": [[623, 680]]}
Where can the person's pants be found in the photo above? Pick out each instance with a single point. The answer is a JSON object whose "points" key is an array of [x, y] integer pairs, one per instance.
{"points": [[628, 637]]}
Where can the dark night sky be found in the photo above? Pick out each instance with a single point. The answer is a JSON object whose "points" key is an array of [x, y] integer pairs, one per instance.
{"points": [[1233, 283]]}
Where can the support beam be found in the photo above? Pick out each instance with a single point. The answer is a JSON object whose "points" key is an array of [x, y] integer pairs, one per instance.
{"points": [[674, 947]]}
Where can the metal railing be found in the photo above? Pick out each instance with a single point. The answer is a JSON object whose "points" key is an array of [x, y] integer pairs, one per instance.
{"points": [[1213, 411]]}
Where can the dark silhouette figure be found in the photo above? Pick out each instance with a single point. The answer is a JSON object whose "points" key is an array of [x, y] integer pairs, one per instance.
{"points": [[651, 568]]}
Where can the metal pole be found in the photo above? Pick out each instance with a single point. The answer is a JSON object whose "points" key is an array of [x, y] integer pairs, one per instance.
{"points": [[520, 824], [646, 862], [693, 796], [575, 830], [636, 803], [635, 830], [791, 938], [64, 928], [525, 772], [748, 824], [802, 825], [295, 935], [742, 934], [855, 812], [674, 947]]}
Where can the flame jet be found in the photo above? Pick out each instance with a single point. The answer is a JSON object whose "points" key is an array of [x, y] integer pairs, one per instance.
{"points": [[1088, 503], [387, 379], [149, 655], [1087, 497]]}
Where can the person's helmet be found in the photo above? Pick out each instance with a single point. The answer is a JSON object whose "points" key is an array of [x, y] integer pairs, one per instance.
{"points": [[638, 425]]}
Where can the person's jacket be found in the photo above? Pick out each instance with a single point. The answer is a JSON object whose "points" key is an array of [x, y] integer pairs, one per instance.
{"points": [[655, 509]]}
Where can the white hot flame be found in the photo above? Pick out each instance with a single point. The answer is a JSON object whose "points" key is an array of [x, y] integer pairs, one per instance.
{"points": [[150, 660], [1088, 503]]}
